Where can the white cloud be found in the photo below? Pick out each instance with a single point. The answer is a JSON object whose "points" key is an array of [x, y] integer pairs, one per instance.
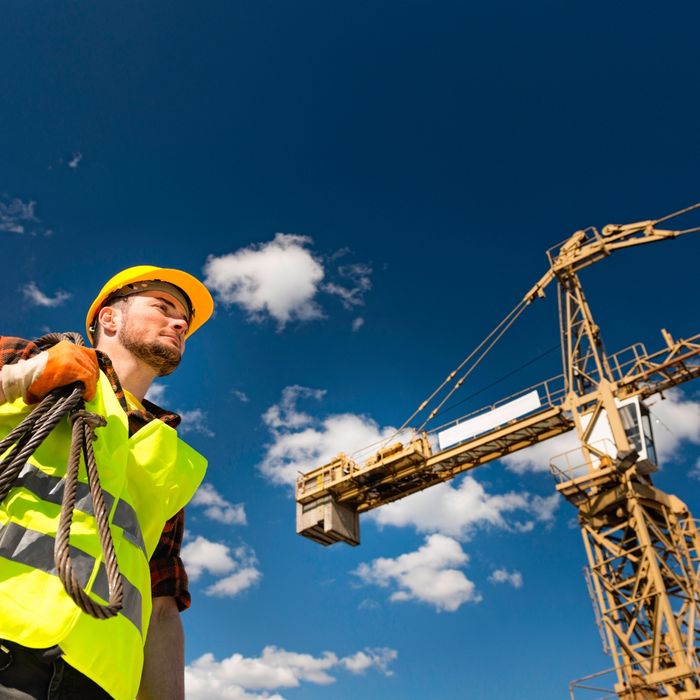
{"points": [[458, 510], [202, 555], [514, 578], [234, 677], [204, 683], [428, 575], [285, 413], [695, 471], [237, 569], [240, 395], [279, 278], [282, 278], [217, 507], [195, 421], [544, 508], [156, 393], [536, 458], [379, 658], [356, 282], [35, 296], [17, 216], [232, 585], [357, 324], [675, 419], [74, 162], [294, 452], [301, 442]]}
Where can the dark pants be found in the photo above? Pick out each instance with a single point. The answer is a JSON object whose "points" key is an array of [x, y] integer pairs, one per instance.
{"points": [[41, 674]]}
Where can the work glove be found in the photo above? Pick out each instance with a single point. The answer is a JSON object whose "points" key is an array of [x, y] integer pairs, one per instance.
{"points": [[62, 364]]}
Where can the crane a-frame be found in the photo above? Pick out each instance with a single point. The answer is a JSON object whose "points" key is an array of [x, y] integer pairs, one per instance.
{"points": [[642, 545]]}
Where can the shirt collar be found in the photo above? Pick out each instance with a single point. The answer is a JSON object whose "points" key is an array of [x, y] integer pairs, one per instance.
{"points": [[152, 410]]}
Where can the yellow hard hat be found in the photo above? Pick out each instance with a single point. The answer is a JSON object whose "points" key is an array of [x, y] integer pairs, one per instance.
{"points": [[201, 304]]}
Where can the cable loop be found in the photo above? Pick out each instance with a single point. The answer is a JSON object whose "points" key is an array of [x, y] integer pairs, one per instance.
{"points": [[93, 420], [24, 439]]}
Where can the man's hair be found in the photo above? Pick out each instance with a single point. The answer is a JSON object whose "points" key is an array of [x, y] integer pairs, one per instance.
{"points": [[118, 302]]}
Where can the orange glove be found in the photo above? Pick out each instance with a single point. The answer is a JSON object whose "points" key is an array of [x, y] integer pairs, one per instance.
{"points": [[65, 363]]}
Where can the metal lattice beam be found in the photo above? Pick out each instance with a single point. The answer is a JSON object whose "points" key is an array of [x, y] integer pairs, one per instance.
{"points": [[644, 555]]}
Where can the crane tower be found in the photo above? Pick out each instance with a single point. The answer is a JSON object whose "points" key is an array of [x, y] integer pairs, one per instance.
{"points": [[642, 545]]}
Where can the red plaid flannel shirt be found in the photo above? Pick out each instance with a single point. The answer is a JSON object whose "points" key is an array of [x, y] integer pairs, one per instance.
{"points": [[168, 575]]}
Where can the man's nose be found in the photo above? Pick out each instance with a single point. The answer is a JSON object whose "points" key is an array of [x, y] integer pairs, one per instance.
{"points": [[180, 325]]}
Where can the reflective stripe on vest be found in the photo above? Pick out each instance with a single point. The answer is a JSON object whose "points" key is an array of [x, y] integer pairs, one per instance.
{"points": [[50, 488], [36, 550]]}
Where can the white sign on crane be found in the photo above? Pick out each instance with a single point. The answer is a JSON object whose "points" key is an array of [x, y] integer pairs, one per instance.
{"points": [[488, 421]]}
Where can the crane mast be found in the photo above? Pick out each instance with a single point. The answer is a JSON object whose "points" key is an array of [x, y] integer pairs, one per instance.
{"points": [[642, 545]]}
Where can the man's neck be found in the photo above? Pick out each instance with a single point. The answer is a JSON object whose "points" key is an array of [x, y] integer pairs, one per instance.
{"points": [[134, 375]]}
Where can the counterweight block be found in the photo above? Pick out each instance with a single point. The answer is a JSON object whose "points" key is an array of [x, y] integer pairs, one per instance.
{"points": [[328, 522]]}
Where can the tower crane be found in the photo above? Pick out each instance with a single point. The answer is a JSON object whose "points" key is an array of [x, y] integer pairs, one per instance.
{"points": [[642, 545]]}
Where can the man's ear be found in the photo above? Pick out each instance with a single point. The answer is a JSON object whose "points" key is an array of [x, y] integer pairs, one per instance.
{"points": [[108, 318]]}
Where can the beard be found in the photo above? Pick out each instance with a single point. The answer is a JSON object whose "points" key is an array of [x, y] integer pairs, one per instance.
{"points": [[161, 357]]}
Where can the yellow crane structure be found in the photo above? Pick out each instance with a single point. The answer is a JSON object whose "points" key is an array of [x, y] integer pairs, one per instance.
{"points": [[642, 545]]}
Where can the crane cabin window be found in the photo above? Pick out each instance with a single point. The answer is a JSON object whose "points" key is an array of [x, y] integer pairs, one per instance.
{"points": [[630, 422], [648, 435], [637, 424]]}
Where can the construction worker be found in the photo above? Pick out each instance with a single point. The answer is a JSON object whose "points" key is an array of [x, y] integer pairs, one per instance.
{"points": [[49, 647]]}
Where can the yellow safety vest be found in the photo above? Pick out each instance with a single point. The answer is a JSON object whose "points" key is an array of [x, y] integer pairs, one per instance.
{"points": [[146, 479]]}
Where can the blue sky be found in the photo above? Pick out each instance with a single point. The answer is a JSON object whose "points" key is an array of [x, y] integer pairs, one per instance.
{"points": [[367, 188]]}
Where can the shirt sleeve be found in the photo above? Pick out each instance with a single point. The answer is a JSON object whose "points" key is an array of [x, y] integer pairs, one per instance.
{"points": [[168, 575], [16, 349]]}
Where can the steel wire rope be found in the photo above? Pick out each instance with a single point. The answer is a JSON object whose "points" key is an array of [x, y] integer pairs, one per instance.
{"points": [[507, 321], [500, 379], [680, 212], [514, 317], [23, 440]]}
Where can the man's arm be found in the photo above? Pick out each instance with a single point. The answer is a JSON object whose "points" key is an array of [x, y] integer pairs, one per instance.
{"points": [[31, 375], [11, 350], [164, 656], [163, 672]]}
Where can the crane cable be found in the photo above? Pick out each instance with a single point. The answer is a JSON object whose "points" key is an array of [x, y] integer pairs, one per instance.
{"points": [[21, 443], [497, 331], [532, 361], [514, 315], [679, 213]]}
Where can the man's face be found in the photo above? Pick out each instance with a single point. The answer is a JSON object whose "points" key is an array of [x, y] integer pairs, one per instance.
{"points": [[153, 328]]}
